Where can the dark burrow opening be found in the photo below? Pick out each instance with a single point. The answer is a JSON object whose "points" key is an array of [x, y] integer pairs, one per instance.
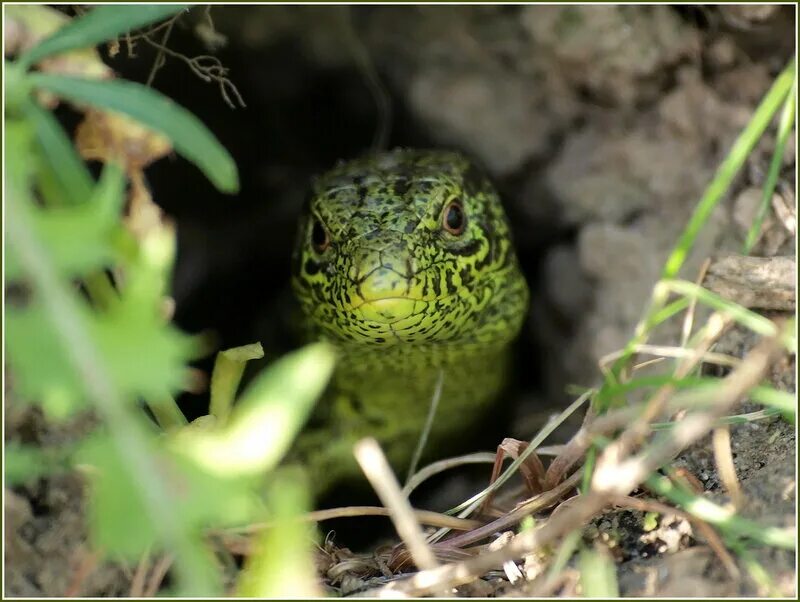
{"points": [[232, 274]]}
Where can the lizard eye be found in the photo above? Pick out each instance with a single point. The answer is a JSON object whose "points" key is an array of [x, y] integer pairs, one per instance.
{"points": [[454, 220], [320, 239]]}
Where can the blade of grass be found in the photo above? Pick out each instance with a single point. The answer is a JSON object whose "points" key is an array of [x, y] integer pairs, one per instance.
{"points": [[99, 25], [426, 429], [726, 520], [745, 317], [755, 569], [715, 191], [598, 574], [784, 129], [725, 420], [565, 551], [729, 168], [188, 134], [784, 402], [657, 380]]}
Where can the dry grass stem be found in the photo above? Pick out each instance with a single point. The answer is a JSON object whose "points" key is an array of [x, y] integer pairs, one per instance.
{"points": [[435, 468], [380, 475], [425, 517], [140, 576], [157, 576], [613, 475], [426, 429], [664, 351], [688, 322], [510, 519], [721, 441], [636, 432]]}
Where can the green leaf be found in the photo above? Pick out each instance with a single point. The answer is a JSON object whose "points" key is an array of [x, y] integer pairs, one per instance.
{"points": [[282, 564], [58, 155], [144, 356], [99, 25], [79, 239], [118, 517], [26, 463], [188, 134], [267, 418], [40, 364]]}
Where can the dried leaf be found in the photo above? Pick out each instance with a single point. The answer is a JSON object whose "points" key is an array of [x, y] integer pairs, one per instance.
{"points": [[111, 137]]}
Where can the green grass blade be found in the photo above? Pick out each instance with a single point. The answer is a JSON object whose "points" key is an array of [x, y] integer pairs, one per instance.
{"points": [[70, 174], [188, 134], [728, 522], [729, 168], [667, 312], [611, 391], [784, 129], [598, 574], [725, 420], [745, 317], [782, 401], [99, 25]]}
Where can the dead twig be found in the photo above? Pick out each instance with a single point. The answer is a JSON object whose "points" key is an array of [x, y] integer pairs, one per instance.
{"points": [[208, 68], [755, 282]]}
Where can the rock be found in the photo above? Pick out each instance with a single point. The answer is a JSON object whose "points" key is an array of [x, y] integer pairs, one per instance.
{"points": [[611, 51]]}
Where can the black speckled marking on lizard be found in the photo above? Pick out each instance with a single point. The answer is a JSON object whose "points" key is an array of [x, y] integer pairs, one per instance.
{"points": [[405, 289]]}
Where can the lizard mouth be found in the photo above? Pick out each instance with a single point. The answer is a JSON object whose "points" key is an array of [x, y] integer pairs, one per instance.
{"points": [[387, 310]]}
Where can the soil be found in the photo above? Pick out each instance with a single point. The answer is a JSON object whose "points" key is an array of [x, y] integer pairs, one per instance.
{"points": [[601, 126]]}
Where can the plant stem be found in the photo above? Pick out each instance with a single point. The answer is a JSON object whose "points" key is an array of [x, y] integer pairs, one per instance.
{"points": [[128, 433]]}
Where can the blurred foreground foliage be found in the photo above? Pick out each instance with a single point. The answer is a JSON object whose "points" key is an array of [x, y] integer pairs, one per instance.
{"points": [[88, 317]]}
